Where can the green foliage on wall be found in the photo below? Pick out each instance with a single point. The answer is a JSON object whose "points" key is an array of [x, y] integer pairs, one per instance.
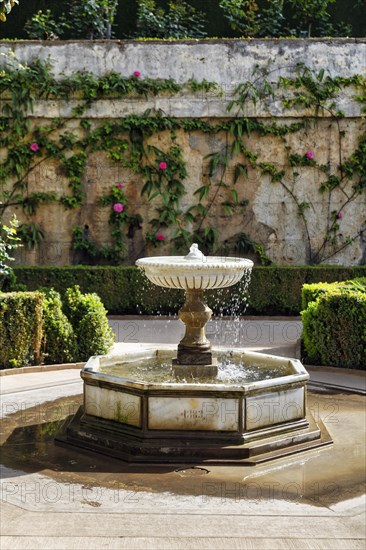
{"points": [[9, 241], [163, 170], [180, 20]]}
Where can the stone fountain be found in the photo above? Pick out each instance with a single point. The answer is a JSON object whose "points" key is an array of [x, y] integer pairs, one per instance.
{"points": [[194, 273], [165, 406]]}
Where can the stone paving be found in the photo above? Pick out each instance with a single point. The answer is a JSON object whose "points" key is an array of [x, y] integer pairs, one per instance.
{"points": [[62, 498]]}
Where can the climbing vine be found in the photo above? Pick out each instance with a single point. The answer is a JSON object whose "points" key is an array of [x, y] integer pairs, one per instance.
{"points": [[131, 142]]}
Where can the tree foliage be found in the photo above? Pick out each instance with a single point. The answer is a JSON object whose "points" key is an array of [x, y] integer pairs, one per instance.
{"points": [[180, 20], [89, 19], [92, 18], [275, 18], [8, 242], [5, 7], [241, 15]]}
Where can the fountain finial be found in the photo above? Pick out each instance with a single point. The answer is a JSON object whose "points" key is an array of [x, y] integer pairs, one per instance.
{"points": [[194, 253]]}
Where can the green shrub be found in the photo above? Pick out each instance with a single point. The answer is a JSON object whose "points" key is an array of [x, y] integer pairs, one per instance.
{"points": [[8, 242], [116, 286], [43, 26], [31, 322], [20, 328], [334, 327], [180, 20], [91, 19], [275, 290], [59, 342], [88, 318], [310, 292], [124, 290]]}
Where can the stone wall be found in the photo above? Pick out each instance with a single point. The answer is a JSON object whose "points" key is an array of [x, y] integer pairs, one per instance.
{"points": [[271, 218]]}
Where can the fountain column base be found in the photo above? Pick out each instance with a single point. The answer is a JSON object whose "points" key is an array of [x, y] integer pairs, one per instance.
{"points": [[195, 371], [194, 357]]}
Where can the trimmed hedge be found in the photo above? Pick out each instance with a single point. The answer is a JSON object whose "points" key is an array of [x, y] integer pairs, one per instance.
{"points": [[310, 292], [334, 327], [124, 290], [34, 327], [59, 341], [88, 318], [20, 328]]}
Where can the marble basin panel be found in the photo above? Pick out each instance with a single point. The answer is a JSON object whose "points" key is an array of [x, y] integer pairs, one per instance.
{"points": [[189, 407], [193, 413]]}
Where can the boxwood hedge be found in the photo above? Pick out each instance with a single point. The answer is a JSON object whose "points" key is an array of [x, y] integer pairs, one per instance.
{"points": [[334, 327], [88, 318], [36, 327], [310, 292], [20, 328], [124, 290], [59, 340]]}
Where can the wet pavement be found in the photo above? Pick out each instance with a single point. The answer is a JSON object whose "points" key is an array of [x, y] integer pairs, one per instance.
{"points": [[56, 497], [321, 477]]}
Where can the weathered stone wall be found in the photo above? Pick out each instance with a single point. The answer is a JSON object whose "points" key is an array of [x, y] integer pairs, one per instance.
{"points": [[270, 217]]}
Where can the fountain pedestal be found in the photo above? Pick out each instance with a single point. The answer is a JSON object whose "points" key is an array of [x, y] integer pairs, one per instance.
{"points": [[194, 357]]}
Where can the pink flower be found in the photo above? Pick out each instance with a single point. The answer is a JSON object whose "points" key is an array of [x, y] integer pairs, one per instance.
{"points": [[309, 154], [34, 147], [118, 207], [339, 215], [120, 185], [160, 237], [136, 74], [163, 166]]}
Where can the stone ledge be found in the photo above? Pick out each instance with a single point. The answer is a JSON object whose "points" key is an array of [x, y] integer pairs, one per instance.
{"points": [[41, 368], [222, 61], [186, 105]]}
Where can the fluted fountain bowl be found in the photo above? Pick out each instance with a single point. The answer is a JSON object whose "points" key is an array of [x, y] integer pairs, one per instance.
{"points": [[194, 271]]}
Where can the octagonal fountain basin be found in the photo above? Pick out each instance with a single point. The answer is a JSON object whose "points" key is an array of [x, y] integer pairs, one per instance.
{"points": [[136, 408]]}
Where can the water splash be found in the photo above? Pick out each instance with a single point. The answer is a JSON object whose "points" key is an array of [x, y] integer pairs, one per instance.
{"points": [[232, 370], [229, 305], [168, 303]]}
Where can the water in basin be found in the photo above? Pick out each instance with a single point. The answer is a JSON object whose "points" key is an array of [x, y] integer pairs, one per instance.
{"points": [[232, 370]]}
